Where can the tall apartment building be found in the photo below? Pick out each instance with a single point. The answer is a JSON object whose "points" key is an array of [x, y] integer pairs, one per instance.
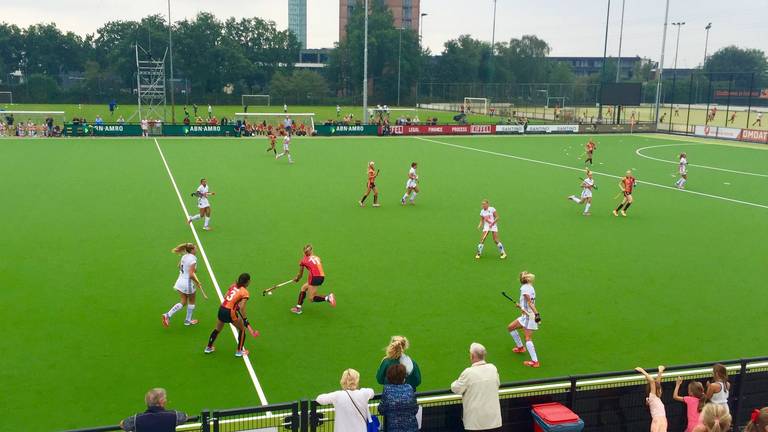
{"points": [[405, 12], [297, 20]]}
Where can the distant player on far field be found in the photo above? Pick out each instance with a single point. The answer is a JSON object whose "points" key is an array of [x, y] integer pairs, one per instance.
{"points": [[316, 278], [232, 311], [759, 120], [627, 184], [586, 193], [488, 222], [589, 148], [202, 193], [371, 186], [411, 185], [528, 321], [733, 118], [682, 169]]}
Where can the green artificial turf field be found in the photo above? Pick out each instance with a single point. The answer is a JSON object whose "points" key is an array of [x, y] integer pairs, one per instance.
{"points": [[86, 267]]}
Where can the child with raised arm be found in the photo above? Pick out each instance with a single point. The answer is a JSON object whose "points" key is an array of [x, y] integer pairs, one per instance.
{"points": [[694, 402], [655, 405]]}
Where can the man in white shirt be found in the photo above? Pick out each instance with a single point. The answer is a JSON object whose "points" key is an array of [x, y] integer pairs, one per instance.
{"points": [[478, 386]]}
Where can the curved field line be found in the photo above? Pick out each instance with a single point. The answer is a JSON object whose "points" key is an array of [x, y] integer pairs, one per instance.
{"points": [[638, 152]]}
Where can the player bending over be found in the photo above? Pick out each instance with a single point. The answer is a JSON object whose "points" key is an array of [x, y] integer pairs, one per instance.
{"points": [[371, 186], [528, 321], [186, 284], [759, 120], [488, 222], [272, 139], [316, 278], [232, 311], [682, 169], [627, 184], [411, 185], [589, 149], [202, 193], [587, 185], [286, 148]]}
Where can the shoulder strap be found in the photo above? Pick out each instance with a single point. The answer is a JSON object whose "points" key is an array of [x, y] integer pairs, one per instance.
{"points": [[365, 419]]}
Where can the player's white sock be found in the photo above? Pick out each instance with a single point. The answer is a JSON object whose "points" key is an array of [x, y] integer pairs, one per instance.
{"points": [[516, 337], [574, 199], [404, 196], [177, 307], [532, 350], [190, 311], [290, 159], [480, 249], [586, 207], [207, 220], [280, 155], [413, 196], [683, 182], [501, 247], [195, 217]]}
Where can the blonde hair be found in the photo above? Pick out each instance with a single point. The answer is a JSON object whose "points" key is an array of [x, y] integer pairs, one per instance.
{"points": [[758, 421], [526, 277], [155, 397], [307, 247], [350, 379], [184, 247], [397, 346], [715, 418]]}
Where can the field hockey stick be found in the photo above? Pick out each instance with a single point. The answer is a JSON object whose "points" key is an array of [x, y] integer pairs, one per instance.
{"points": [[251, 330], [594, 186], [530, 315], [274, 287], [205, 296]]}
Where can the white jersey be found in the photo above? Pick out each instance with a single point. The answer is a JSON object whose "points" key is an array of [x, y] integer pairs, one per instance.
{"points": [[586, 187], [202, 197], [287, 143], [413, 178], [683, 166], [144, 124], [525, 320], [759, 115], [488, 219], [184, 281]]}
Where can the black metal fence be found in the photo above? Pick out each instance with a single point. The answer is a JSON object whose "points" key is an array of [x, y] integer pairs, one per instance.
{"points": [[607, 402]]}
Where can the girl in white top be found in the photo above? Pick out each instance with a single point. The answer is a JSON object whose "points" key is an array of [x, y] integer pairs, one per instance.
{"points": [[488, 223], [587, 185], [202, 193], [682, 169], [717, 391], [186, 284], [350, 403], [286, 148], [411, 185], [528, 321]]}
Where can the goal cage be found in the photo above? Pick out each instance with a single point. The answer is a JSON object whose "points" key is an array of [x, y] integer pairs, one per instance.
{"points": [[276, 119], [555, 102], [392, 114], [249, 100], [476, 105], [30, 123], [6, 98]]}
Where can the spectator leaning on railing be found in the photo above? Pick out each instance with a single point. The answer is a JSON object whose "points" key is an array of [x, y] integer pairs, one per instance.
{"points": [[156, 418], [398, 402], [350, 403], [478, 386], [396, 355]]}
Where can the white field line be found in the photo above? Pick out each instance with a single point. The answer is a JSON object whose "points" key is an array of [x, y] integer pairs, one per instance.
{"points": [[246, 360], [638, 152], [748, 203]]}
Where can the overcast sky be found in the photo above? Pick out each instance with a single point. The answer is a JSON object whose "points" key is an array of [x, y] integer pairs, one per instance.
{"points": [[572, 28]]}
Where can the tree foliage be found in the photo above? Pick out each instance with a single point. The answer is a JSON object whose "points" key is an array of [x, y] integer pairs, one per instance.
{"points": [[746, 61]]}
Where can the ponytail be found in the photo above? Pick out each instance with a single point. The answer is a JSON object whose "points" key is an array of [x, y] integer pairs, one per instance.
{"points": [[397, 347], [184, 247], [758, 421], [716, 418]]}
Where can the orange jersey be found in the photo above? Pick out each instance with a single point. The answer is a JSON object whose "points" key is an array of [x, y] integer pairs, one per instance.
{"points": [[371, 175], [628, 183], [234, 296], [590, 146], [272, 139], [313, 264]]}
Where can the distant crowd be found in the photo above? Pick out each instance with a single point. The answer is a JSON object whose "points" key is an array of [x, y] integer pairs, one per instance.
{"points": [[9, 126]]}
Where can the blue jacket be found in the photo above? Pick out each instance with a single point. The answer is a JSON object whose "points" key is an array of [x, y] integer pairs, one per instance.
{"points": [[398, 406]]}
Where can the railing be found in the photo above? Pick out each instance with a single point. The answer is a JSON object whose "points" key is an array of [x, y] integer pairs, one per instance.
{"points": [[607, 402]]}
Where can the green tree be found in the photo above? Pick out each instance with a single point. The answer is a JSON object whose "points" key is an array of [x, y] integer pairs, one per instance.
{"points": [[300, 87], [49, 51], [11, 47], [742, 62]]}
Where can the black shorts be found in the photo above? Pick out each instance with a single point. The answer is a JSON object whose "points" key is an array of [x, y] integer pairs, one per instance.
{"points": [[225, 315], [627, 194], [317, 281], [371, 185]]}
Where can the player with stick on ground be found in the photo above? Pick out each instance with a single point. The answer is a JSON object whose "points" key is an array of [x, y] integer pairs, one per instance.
{"points": [[202, 193], [587, 185], [316, 278], [371, 186], [232, 311], [411, 185], [185, 284], [627, 184], [528, 321], [589, 148], [488, 222], [682, 169]]}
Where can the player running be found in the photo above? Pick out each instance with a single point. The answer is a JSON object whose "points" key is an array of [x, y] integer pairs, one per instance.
{"points": [[371, 186], [733, 118], [589, 148], [587, 185], [411, 185], [627, 184], [316, 278], [202, 193], [286, 148], [186, 284], [528, 321], [489, 219], [759, 120], [682, 169], [232, 311], [272, 138]]}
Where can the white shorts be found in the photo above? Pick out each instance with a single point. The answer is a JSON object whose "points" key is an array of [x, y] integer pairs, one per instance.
{"points": [[528, 323], [494, 228], [184, 285], [285, 147], [410, 184], [203, 203], [586, 193], [683, 172]]}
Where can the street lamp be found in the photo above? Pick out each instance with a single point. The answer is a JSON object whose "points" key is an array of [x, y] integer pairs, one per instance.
{"points": [[706, 43], [677, 43]]}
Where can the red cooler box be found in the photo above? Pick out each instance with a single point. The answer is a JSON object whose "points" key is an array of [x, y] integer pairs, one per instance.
{"points": [[555, 417]]}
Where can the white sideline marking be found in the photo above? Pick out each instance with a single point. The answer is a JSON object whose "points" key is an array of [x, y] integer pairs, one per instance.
{"points": [[637, 152], [595, 172], [246, 360]]}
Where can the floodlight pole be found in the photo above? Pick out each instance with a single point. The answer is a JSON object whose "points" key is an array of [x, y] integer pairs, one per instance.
{"points": [[706, 44], [365, 67], [399, 55], [621, 38], [605, 55], [660, 71], [170, 49], [421, 28], [493, 41]]}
